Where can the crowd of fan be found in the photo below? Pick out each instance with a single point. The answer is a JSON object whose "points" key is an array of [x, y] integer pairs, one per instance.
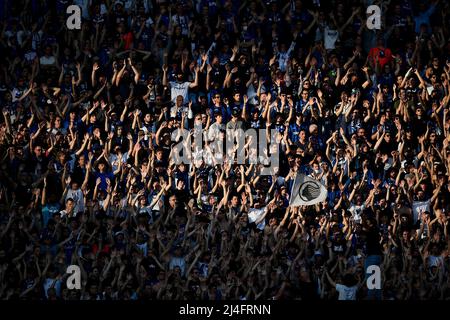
{"points": [[87, 176]]}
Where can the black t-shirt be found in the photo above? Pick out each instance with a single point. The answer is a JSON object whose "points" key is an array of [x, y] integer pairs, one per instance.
{"points": [[387, 148], [182, 195], [307, 290], [373, 246], [23, 194], [420, 126], [151, 267]]}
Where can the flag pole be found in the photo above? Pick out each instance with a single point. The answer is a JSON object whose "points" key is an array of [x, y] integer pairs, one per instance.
{"points": [[292, 189]]}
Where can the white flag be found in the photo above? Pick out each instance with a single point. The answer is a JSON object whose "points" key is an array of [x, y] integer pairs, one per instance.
{"points": [[307, 191]]}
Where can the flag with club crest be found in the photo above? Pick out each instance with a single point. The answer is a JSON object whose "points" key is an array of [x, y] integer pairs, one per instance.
{"points": [[307, 191]]}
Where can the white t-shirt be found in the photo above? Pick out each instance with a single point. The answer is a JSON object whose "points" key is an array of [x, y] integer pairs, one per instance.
{"points": [[251, 94], [128, 4], [157, 206], [346, 293], [143, 247], [214, 131], [148, 211], [114, 160], [342, 162], [177, 262], [284, 56], [103, 9], [183, 22], [78, 198], [254, 214], [30, 56], [330, 37], [346, 107], [183, 109], [36, 39], [47, 61], [357, 211], [179, 89], [64, 213], [19, 35]]}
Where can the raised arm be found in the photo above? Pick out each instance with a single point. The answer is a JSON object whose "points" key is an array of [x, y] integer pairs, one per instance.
{"points": [[195, 83]]}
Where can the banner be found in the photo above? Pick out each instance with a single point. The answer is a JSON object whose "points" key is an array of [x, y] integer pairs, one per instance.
{"points": [[307, 191]]}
